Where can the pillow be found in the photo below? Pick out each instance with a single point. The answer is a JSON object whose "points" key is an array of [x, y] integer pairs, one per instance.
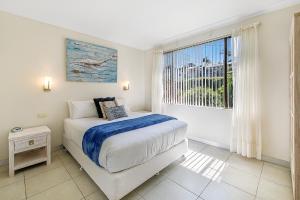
{"points": [[122, 102], [82, 109], [98, 100], [115, 112], [107, 104]]}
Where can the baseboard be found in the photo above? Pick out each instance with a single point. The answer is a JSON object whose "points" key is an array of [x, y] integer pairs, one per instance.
{"points": [[224, 146], [57, 148], [209, 142], [276, 161], [5, 161]]}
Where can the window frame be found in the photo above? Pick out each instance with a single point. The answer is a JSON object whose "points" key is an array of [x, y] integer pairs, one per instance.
{"points": [[225, 76]]}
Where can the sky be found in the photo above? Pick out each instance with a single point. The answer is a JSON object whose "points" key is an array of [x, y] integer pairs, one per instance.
{"points": [[214, 51]]}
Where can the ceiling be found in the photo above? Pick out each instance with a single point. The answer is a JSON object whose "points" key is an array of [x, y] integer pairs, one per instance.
{"points": [[139, 23]]}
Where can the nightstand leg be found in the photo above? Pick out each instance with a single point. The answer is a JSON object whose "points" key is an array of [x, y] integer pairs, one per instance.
{"points": [[48, 149], [11, 159]]}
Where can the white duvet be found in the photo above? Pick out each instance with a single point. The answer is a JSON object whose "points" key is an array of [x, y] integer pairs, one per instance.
{"points": [[131, 148]]}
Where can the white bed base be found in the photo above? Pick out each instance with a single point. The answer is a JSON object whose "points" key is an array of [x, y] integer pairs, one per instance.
{"points": [[117, 185]]}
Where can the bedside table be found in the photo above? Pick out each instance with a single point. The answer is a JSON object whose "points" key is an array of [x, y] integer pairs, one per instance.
{"points": [[29, 147]]}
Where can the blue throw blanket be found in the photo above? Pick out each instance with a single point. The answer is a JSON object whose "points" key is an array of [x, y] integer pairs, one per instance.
{"points": [[95, 136]]}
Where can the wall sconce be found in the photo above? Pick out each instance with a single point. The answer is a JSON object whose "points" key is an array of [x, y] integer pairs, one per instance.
{"points": [[126, 85], [47, 84]]}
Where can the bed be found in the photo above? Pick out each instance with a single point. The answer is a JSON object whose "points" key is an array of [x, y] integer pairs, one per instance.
{"points": [[127, 159]]}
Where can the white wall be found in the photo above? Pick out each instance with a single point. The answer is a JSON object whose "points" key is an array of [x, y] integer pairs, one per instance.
{"points": [[30, 50], [207, 124], [215, 125]]}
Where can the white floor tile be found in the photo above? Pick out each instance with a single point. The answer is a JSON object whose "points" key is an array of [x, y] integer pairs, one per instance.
{"points": [[65, 157], [73, 169], [44, 181], [5, 179], [15, 191], [174, 164], [277, 174], [268, 190], [222, 191], [216, 153], [214, 173], [86, 184], [199, 161], [41, 168], [132, 196], [98, 195], [150, 184], [191, 180], [252, 166], [168, 190], [64, 191], [242, 180]]}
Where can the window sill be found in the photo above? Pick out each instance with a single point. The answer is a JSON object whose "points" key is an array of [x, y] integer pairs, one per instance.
{"points": [[202, 107]]}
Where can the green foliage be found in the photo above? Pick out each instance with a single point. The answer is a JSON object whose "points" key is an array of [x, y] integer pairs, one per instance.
{"points": [[211, 94], [205, 96]]}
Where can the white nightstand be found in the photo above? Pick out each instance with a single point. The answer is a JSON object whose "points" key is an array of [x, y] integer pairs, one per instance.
{"points": [[29, 147]]}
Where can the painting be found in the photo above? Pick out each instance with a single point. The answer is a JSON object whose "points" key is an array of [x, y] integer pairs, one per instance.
{"points": [[90, 62]]}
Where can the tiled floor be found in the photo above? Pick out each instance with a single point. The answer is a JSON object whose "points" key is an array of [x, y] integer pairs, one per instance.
{"points": [[206, 173]]}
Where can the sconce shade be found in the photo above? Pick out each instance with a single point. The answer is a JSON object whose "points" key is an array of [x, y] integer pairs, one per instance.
{"points": [[47, 83], [126, 85]]}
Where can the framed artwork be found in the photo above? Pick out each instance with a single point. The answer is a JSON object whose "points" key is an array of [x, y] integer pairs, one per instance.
{"points": [[90, 62]]}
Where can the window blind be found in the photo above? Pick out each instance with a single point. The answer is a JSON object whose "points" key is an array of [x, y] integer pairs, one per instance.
{"points": [[199, 75]]}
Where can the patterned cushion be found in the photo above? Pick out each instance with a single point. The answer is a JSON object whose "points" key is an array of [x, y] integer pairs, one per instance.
{"points": [[97, 100], [107, 104], [115, 112]]}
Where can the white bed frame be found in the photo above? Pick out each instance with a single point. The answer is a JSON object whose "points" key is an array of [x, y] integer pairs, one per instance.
{"points": [[117, 185]]}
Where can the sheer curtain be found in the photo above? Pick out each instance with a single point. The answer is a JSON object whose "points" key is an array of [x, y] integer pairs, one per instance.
{"points": [[246, 133], [157, 81]]}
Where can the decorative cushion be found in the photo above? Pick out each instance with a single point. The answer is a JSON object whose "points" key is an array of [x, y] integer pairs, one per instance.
{"points": [[110, 104], [107, 104], [82, 109], [97, 100], [115, 112]]}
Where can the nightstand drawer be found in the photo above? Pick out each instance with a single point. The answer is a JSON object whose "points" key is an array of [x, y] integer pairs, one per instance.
{"points": [[31, 143]]}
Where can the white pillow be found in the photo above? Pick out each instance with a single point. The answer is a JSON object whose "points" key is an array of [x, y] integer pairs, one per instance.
{"points": [[82, 109], [122, 102]]}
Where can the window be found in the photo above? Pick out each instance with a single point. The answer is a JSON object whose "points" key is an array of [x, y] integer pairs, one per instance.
{"points": [[200, 75]]}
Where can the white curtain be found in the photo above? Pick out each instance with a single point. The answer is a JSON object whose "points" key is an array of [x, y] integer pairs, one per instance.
{"points": [[246, 132], [157, 81]]}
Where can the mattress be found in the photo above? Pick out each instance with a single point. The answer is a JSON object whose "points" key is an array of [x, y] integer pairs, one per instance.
{"points": [[131, 148]]}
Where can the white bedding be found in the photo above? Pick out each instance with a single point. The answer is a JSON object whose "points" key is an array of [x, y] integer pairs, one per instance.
{"points": [[132, 148]]}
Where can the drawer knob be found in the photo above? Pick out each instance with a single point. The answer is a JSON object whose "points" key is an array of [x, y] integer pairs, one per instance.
{"points": [[31, 142]]}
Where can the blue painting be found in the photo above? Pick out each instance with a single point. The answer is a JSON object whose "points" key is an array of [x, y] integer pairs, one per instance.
{"points": [[91, 63]]}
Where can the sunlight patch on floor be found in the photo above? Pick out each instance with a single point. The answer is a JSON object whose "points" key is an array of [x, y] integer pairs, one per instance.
{"points": [[208, 166]]}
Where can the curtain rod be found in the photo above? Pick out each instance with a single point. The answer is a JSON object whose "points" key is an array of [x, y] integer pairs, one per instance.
{"points": [[211, 39], [249, 26], [198, 43]]}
